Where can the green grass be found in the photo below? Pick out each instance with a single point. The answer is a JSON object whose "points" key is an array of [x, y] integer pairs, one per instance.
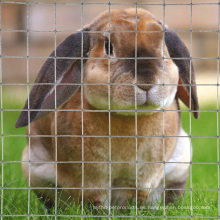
{"points": [[204, 176]]}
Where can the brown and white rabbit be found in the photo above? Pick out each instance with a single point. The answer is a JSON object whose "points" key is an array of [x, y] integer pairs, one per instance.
{"points": [[72, 142]]}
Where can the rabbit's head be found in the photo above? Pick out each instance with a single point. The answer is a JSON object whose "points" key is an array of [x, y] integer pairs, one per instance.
{"points": [[126, 59], [132, 80]]}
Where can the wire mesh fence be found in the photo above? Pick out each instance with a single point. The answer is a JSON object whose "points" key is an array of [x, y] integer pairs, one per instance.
{"points": [[108, 161]]}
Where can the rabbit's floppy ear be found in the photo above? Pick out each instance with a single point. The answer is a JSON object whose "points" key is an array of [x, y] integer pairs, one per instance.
{"points": [[67, 69], [181, 57]]}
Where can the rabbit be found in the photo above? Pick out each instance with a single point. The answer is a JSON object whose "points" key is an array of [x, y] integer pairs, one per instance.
{"points": [[102, 91]]}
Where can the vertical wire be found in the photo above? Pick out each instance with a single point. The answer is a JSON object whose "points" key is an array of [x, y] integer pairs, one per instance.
{"points": [[82, 104], [163, 128], [190, 108], [2, 131], [136, 130], [218, 107], [55, 110], [28, 99], [109, 106]]}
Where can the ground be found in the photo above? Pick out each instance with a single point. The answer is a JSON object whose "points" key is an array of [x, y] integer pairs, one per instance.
{"points": [[204, 172]]}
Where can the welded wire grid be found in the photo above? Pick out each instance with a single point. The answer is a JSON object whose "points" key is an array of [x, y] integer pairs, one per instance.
{"points": [[136, 136]]}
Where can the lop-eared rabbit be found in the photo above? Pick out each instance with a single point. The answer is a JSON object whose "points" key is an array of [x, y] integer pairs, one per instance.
{"points": [[140, 64]]}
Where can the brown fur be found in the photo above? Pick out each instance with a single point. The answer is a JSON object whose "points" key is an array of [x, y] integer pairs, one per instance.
{"points": [[96, 148]]}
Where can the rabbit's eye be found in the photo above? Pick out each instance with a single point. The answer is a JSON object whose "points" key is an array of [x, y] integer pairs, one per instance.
{"points": [[108, 48]]}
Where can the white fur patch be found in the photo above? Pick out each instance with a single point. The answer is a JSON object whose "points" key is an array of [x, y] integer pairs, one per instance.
{"points": [[40, 170], [141, 96], [155, 196], [175, 170], [157, 97]]}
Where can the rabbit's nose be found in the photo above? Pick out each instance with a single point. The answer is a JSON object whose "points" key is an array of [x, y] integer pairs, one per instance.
{"points": [[145, 86]]}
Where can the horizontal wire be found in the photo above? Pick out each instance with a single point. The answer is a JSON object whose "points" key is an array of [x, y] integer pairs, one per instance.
{"points": [[111, 58], [104, 136], [112, 3], [112, 216], [107, 162], [107, 31], [105, 188], [96, 110], [107, 84]]}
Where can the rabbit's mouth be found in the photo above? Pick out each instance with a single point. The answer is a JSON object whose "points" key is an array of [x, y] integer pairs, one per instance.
{"points": [[126, 99], [157, 96], [147, 101]]}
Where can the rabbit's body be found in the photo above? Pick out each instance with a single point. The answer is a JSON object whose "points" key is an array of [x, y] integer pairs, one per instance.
{"points": [[129, 68], [150, 147]]}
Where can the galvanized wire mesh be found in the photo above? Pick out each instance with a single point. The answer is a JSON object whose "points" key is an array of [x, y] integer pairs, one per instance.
{"points": [[81, 3]]}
